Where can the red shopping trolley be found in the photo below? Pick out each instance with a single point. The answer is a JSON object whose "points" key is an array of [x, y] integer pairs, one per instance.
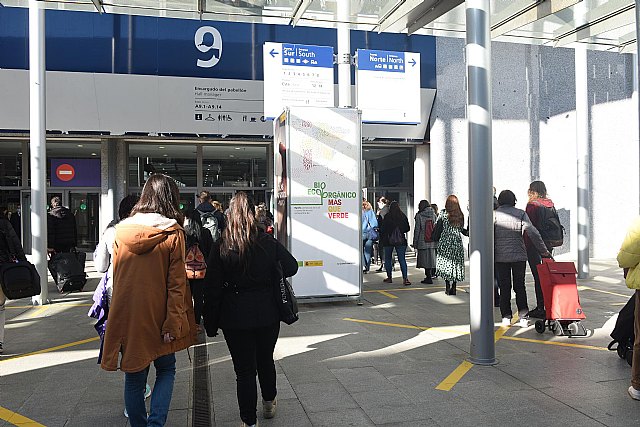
{"points": [[561, 300]]}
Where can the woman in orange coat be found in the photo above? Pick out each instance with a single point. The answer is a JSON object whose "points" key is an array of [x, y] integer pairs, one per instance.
{"points": [[151, 315]]}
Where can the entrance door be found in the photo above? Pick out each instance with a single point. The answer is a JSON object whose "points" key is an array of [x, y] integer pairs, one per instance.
{"points": [[222, 196], [86, 208]]}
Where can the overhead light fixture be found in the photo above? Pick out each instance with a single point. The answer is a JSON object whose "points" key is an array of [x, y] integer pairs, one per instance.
{"points": [[161, 147], [93, 154], [231, 155], [237, 148], [165, 155], [80, 145]]}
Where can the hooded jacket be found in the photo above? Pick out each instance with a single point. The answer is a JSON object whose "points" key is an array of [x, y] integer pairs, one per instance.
{"points": [[421, 219], [629, 255], [61, 229], [151, 297]]}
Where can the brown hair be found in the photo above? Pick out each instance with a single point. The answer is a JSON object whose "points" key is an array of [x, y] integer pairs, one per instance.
{"points": [[160, 195], [241, 231], [452, 206], [366, 205]]}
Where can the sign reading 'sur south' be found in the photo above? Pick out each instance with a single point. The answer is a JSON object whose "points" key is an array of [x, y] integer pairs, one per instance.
{"points": [[393, 77]]}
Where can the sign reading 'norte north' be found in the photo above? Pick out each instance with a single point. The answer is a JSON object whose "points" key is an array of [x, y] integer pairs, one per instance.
{"points": [[297, 75], [388, 86]]}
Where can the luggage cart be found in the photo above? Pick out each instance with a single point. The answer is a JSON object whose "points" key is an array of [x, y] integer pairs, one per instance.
{"points": [[561, 300]]}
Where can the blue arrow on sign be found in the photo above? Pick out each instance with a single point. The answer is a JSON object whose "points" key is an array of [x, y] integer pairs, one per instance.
{"points": [[273, 53], [412, 62]]}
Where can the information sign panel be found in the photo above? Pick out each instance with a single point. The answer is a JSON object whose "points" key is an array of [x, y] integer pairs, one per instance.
{"points": [[388, 86], [297, 75]]}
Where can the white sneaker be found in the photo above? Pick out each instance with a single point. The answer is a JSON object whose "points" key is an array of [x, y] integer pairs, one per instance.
{"points": [[126, 414], [506, 321], [147, 391], [523, 323], [269, 408], [635, 394]]}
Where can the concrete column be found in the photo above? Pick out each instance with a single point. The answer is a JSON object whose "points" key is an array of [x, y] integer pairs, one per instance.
{"points": [[108, 169], [344, 54], [422, 175], [478, 53], [583, 155], [38, 151], [122, 169]]}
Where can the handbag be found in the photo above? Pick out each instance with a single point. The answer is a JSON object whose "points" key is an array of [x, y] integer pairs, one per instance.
{"points": [[285, 298], [19, 279], [437, 231]]}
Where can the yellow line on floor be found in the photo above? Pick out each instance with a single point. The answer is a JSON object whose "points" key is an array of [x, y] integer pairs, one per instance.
{"points": [[455, 376], [17, 419], [561, 344], [589, 288], [50, 349], [57, 304], [387, 294], [38, 311], [395, 325], [412, 288]]}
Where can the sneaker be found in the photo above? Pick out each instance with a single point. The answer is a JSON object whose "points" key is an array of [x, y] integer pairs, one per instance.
{"points": [[269, 408], [147, 391], [537, 313], [387, 280], [635, 394], [523, 322], [126, 414], [427, 281], [406, 282], [506, 321]]}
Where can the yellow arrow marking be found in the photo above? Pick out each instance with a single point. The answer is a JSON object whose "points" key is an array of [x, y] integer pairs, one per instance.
{"points": [[17, 419]]}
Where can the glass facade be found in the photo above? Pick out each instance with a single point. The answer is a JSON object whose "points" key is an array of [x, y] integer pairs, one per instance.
{"points": [[234, 166], [10, 164], [178, 161]]}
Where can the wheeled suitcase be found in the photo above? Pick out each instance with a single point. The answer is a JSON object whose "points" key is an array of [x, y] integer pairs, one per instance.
{"points": [[67, 269], [561, 300], [622, 333]]}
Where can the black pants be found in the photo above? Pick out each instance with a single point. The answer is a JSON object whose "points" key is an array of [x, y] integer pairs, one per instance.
{"points": [[197, 293], [252, 351], [505, 271], [534, 258]]}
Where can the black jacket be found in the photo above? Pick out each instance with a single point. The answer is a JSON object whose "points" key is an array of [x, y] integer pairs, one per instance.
{"points": [[389, 224], [10, 245], [61, 229], [219, 216], [244, 299]]}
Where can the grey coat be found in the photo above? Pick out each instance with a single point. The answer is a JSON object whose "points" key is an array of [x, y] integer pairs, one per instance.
{"points": [[418, 230], [509, 225]]}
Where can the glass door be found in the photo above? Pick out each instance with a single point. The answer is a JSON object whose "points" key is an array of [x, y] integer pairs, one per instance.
{"points": [[222, 196], [86, 208]]}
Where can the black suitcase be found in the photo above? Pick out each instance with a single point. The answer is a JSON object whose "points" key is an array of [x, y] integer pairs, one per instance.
{"points": [[622, 333], [67, 269]]}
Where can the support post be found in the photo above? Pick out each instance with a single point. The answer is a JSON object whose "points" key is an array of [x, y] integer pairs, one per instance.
{"points": [[478, 52], [637, 73], [344, 54], [583, 155], [38, 152]]}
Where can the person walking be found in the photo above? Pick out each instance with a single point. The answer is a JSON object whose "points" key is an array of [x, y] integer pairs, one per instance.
{"points": [[538, 201], [450, 257], [425, 221], [629, 259], [239, 299], [209, 215], [197, 235], [392, 236], [510, 225], [62, 231], [369, 234], [378, 250], [10, 251], [151, 314]]}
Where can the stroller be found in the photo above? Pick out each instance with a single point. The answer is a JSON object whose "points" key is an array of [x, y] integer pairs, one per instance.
{"points": [[560, 290]]}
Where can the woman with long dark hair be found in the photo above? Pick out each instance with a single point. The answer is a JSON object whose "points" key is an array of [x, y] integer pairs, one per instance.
{"points": [[239, 299], [198, 238], [392, 236], [425, 219], [450, 258], [151, 313]]}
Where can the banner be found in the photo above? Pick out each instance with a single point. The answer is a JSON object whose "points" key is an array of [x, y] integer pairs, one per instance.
{"points": [[323, 159]]}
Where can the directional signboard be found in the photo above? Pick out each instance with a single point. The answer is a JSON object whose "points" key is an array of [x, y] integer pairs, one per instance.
{"points": [[388, 86], [297, 75]]}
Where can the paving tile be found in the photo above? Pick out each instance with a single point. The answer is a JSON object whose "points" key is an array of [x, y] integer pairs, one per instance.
{"points": [[324, 396]]}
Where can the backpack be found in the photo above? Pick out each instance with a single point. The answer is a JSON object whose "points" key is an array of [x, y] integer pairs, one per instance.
{"points": [[396, 238], [194, 263], [428, 231], [18, 279], [550, 228], [210, 222]]}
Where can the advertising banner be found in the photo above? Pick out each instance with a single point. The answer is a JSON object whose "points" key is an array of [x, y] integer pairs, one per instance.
{"points": [[323, 160], [75, 172]]}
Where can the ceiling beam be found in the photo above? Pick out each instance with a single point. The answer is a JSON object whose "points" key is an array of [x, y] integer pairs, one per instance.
{"points": [[99, 6], [525, 12], [610, 16], [404, 7], [434, 12], [632, 47], [299, 9]]}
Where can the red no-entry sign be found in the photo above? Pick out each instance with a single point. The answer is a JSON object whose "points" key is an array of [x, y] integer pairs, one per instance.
{"points": [[65, 172]]}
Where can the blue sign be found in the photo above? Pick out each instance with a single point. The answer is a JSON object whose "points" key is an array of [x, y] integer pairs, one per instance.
{"points": [[120, 44], [307, 56], [75, 172], [383, 60]]}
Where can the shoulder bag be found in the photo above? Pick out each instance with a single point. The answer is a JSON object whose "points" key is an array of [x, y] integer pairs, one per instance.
{"points": [[19, 279]]}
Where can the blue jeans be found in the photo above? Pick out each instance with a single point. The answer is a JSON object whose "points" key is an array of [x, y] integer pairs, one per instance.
{"points": [[388, 255], [367, 252], [135, 384]]}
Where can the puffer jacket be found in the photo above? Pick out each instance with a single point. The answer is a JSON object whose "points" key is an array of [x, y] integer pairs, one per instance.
{"points": [[629, 255], [421, 220], [509, 226]]}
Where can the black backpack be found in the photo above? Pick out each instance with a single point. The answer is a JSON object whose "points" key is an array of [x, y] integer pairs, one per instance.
{"points": [[622, 333], [550, 228], [18, 279]]}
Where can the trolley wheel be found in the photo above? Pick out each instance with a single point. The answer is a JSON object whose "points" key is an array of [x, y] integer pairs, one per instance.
{"points": [[540, 326], [573, 328], [552, 327], [622, 351]]}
